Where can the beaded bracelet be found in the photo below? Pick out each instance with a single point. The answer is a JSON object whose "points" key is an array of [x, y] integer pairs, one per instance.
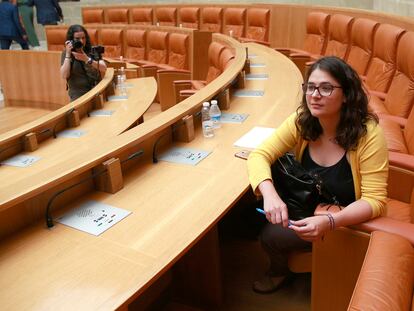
{"points": [[331, 221]]}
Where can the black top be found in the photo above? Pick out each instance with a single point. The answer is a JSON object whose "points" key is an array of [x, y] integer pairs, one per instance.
{"points": [[337, 179]]}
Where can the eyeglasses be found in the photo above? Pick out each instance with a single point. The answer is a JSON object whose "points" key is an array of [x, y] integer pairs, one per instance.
{"points": [[324, 89]]}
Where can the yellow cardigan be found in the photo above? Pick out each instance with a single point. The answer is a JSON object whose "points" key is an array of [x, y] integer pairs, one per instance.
{"points": [[369, 162]]}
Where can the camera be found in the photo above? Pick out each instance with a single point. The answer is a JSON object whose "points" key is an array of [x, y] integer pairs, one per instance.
{"points": [[97, 51], [76, 44]]}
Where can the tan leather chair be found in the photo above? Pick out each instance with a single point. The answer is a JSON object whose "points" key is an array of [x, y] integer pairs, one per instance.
{"points": [[382, 66], [165, 16], [111, 39], [257, 29], [339, 36], [56, 38], [212, 19], [234, 22], [399, 100], [189, 17], [386, 279], [135, 45], [93, 35], [226, 58], [157, 53], [141, 16], [92, 16], [362, 42], [117, 16], [186, 88]]}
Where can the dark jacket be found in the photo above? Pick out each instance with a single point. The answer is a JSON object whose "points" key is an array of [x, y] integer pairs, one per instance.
{"points": [[47, 11], [9, 21]]}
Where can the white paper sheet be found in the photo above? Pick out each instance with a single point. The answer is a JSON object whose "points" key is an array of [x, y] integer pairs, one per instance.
{"points": [[254, 137]]}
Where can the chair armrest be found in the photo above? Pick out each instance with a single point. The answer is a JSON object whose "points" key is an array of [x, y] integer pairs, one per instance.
{"points": [[386, 224], [401, 160], [166, 86], [246, 40], [183, 82], [182, 72], [380, 95], [148, 71]]}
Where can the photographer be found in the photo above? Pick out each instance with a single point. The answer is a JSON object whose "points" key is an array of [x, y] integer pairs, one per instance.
{"points": [[80, 67]]}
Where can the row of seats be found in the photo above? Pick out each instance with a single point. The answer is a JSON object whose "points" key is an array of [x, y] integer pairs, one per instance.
{"points": [[251, 24], [380, 53]]}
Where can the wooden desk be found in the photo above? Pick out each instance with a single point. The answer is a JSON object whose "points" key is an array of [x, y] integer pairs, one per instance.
{"points": [[172, 206]]}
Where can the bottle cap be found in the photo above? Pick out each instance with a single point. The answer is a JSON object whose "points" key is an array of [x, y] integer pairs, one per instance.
{"points": [[206, 104], [214, 102]]}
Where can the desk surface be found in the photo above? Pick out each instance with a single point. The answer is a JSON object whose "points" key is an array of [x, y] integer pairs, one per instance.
{"points": [[172, 207], [54, 152]]}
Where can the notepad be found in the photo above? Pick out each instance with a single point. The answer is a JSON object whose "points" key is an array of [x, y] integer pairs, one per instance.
{"points": [[93, 217], [254, 137]]}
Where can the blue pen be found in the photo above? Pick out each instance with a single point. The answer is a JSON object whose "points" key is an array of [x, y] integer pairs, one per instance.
{"points": [[264, 213]]}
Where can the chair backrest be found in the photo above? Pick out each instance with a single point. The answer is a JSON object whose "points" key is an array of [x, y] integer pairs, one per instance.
{"points": [[226, 58], [234, 22], [157, 47], [117, 16], [383, 62], [214, 51], [111, 39], [386, 279], [362, 42], [166, 16], [339, 36], [92, 16], [400, 97], [178, 48], [135, 44], [211, 19], [409, 137], [56, 39], [258, 20], [141, 16], [93, 35], [189, 17], [316, 33]]}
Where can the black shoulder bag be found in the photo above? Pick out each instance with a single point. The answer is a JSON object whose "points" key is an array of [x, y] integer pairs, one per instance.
{"points": [[298, 188]]}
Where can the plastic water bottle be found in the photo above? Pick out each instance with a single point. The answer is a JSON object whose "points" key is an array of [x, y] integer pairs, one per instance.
{"points": [[206, 122], [122, 82], [215, 114]]}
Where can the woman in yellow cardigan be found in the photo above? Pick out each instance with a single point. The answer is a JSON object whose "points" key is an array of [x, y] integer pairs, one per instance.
{"points": [[334, 135]]}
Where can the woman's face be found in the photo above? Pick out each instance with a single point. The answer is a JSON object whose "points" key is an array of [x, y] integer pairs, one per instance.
{"points": [[323, 106], [79, 36]]}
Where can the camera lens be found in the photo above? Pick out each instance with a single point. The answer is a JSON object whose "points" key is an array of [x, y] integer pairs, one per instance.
{"points": [[76, 44]]}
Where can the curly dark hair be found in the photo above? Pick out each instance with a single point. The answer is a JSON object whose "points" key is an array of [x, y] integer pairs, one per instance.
{"points": [[78, 28], [354, 112]]}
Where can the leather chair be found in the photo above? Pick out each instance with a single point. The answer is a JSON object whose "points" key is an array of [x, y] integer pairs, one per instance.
{"points": [[141, 16], [56, 38], [212, 19], [92, 16], [157, 53], [226, 58], [166, 16], [93, 35], [362, 42], [234, 22], [386, 279], [257, 30], [339, 36], [399, 100], [189, 17], [135, 45], [176, 69], [186, 88], [117, 16], [382, 66], [111, 39]]}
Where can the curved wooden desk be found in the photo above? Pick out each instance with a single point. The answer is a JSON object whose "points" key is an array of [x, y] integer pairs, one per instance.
{"points": [[54, 153], [173, 206]]}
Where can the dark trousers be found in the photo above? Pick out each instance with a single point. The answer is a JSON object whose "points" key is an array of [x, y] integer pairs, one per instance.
{"points": [[279, 242], [5, 43]]}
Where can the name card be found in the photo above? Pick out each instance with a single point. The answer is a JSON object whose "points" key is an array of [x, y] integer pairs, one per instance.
{"points": [[20, 160]]}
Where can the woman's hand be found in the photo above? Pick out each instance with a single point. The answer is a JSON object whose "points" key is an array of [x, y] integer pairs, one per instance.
{"points": [[68, 48], [311, 228], [80, 56], [275, 209]]}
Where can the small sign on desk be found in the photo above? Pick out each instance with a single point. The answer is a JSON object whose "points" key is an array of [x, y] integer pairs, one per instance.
{"points": [[117, 97], [248, 93], [71, 133], [101, 113], [233, 117], [184, 155], [257, 76], [20, 160], [93, 217], [257, 65]]}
